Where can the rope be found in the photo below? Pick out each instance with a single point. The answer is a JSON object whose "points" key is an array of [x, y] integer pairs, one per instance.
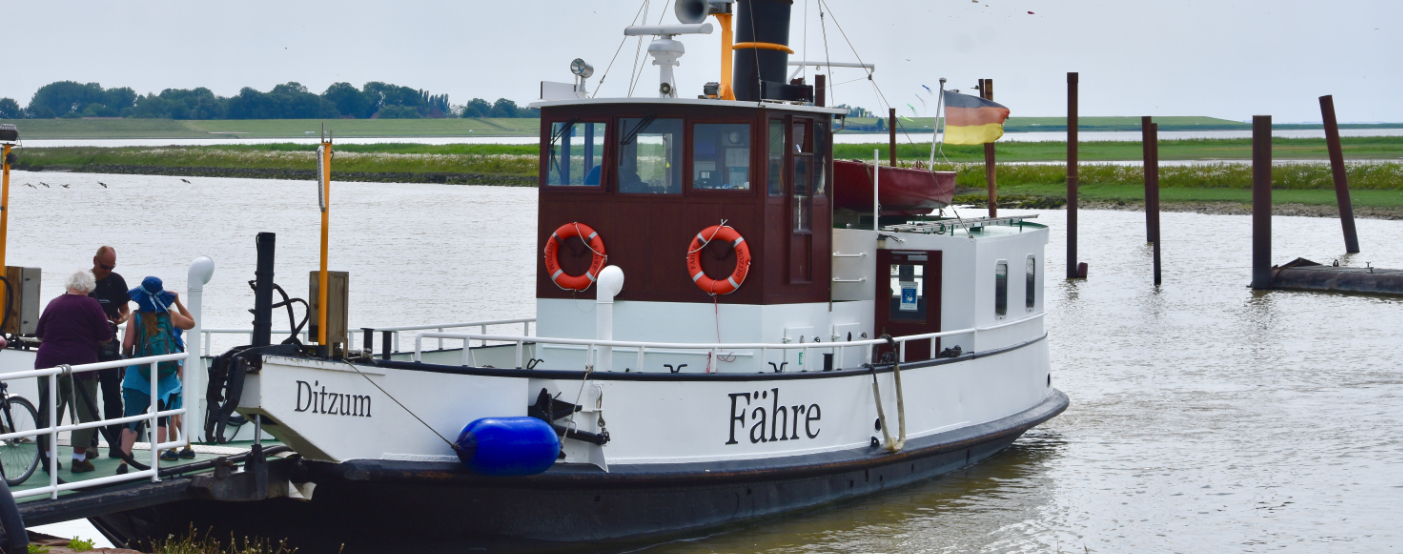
{"points": [[585, 240], [827, 58], [402, 406], [890, 445], [708, 239], [616, 53], [589, 370]]}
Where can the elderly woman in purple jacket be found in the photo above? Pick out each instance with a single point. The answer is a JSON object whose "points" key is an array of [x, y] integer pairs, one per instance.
{"points": [[71, 328]]}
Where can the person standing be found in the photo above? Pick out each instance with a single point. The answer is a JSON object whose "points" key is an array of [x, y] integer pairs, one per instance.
{"points": [[71, 329], [111, 293], [154, 330]]}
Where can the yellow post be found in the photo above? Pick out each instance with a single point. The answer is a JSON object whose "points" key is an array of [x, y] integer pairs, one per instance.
{"points": [[4, 210], [727, 55], [326, 224]]}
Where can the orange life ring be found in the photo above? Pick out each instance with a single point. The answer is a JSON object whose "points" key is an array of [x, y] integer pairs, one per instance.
{"points": [[729, 284], [577, 283]]}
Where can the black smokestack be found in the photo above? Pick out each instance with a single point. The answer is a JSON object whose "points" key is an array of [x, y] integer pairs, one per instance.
{"points": [[760, 72]]}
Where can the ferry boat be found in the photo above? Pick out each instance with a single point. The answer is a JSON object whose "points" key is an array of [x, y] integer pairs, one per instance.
{"points": [[711, 344]]}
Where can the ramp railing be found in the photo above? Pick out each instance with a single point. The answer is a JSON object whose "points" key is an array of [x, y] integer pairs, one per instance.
{"points": [[53, 376]]}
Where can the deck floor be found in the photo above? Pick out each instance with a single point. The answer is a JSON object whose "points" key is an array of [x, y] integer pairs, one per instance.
{"points": [[107, 467]]}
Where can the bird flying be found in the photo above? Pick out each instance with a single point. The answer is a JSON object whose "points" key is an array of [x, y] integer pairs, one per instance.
{"points": [[104, 185], [46, 185], [186, 182], [64, 186], [30, 186]]}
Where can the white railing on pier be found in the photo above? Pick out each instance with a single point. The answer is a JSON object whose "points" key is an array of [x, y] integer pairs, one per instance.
{"points": [[592, 346], [50, 405]]}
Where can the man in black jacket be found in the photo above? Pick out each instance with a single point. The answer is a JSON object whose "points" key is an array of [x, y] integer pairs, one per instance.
{"points": [[111, 292]]}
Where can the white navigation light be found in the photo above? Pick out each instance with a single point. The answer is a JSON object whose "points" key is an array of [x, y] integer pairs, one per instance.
{"points": [[581, 69]]}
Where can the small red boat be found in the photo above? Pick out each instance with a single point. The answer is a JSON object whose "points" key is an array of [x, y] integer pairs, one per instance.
{"points": [[903, 191]]}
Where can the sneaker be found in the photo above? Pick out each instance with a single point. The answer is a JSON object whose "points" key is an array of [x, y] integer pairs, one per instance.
{"points": [[83, 466], [45, 462], [170, 455], [91, 454], [122, 469], [187, 453]]}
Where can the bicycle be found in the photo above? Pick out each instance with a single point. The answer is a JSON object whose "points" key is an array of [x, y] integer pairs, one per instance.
{"points": [[18, 457]]}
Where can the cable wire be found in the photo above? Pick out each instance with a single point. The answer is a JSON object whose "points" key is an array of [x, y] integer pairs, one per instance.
{"points": [[616, 53]]}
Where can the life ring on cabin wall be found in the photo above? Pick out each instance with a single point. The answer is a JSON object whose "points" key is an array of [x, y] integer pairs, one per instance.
{"points": [[577, 283], [737, 277]]}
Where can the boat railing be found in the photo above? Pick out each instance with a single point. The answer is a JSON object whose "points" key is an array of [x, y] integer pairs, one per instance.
{"points": [[49, 405], [595, 348], [390, 335]]}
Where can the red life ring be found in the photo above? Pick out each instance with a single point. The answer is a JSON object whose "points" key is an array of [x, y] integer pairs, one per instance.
{"points": [[729, 284], [577, 283]]}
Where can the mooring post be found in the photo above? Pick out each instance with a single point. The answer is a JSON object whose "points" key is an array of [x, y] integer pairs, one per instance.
{"points": [[1073, 177], [1337, 168], [987, 91], [1153, 205], [1261, 202], [891, 131], [1146, 145]]}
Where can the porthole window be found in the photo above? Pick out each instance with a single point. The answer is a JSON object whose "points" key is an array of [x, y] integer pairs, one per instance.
{"points": [[1030, 296], [1001, 289]]}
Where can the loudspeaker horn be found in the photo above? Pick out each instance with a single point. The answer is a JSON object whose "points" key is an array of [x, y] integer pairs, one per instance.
{"points": [[695, 11]]}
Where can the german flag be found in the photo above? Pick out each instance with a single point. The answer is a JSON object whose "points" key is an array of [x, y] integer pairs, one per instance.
{"points": [[972, 120]]}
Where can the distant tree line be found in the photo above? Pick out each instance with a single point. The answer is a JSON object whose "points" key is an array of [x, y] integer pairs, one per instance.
{"points": [[375, 100]]}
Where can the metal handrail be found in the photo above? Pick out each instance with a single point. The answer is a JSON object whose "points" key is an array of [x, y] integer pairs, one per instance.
{"points": [[642, 346], [53, 428], [526, 330]]}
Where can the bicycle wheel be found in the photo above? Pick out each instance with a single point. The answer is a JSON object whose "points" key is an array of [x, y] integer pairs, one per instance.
{"points": [[19, 457]]}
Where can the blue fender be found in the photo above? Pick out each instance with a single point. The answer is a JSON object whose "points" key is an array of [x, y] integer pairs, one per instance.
{"points": [[508, 446]]}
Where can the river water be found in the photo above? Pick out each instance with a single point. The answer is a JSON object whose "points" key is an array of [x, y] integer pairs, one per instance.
{"points": [[1205, 417]]}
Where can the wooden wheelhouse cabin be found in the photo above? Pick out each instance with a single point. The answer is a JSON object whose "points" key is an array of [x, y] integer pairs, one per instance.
{"points": [[650, 174]]}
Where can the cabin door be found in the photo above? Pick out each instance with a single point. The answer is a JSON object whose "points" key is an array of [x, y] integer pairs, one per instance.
{"points": [[908, 302]]}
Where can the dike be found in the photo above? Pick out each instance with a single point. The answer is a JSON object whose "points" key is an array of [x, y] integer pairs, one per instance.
{"points": [[295, 174]]}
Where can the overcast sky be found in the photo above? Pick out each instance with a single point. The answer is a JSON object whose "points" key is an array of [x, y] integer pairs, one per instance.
{"points": [[1229, 59]]}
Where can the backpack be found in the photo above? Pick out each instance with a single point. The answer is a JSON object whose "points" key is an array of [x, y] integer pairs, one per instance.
{"points": [[163, 341]]}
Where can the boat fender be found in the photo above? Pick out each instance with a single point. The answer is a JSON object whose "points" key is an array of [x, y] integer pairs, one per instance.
{"points": [[508, 446], [737, 278], [577, 283]]}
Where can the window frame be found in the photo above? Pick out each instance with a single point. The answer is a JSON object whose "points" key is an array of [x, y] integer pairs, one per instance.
{"points": [[1001, 290], [617, 156], [1030, 291], [688, 132], [605, 172]]}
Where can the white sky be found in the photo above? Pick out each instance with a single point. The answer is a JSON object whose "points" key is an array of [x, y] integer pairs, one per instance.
{"points": [[1229, 59]]}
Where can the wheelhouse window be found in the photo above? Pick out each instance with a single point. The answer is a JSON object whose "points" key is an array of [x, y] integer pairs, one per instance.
{"points": [[776, 153], [803, 175], [820, 159], [576, 154], [650, 156], [1030, 294], [721, 156], [1001, 289]]}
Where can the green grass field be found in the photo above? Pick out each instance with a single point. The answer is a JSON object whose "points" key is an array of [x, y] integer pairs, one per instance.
{"points": [[270, 128]]}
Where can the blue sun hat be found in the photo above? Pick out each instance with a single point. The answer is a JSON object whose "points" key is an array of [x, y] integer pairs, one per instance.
{"points": [[151, 296]]}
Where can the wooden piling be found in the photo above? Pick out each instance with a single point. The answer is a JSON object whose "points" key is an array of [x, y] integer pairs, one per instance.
{"points": [[1152, 207], [1073, 178], [1261, 202], [1147, 143], [1337, 168], [891, 130], [987, 91]]}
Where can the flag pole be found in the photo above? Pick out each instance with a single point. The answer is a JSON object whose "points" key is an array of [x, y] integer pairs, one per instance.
{"points": [[935, 130], [325, 184], [876, 198]]}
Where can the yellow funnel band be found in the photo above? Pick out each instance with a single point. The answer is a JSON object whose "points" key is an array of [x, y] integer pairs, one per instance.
{"points": [[763, 46]]}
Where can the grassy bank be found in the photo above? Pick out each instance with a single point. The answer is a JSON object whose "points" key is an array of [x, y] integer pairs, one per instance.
{"points": [[1375, 184], [271, 128]]}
